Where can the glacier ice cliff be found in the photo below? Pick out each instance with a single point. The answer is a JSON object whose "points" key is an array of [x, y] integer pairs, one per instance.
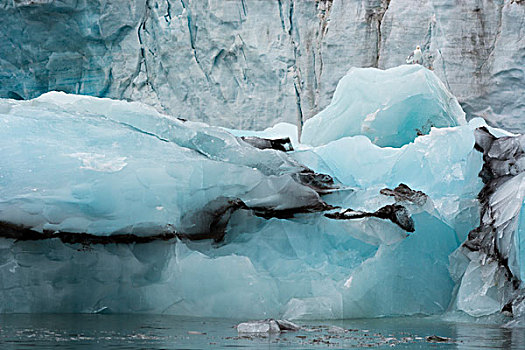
{"points": [[249, 63], [111, 206]]}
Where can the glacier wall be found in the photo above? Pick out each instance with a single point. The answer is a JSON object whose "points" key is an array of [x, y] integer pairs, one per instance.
{"points": [[250, 64]]}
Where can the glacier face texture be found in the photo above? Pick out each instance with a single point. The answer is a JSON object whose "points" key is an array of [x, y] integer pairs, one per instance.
{"points": [[111, 206], [248, 64]]}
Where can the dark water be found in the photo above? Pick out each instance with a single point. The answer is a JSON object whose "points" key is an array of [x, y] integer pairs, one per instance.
{"points": [[169, 332]]}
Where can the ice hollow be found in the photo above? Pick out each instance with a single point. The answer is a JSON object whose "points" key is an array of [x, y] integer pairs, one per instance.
{"points": [[391, 107]]}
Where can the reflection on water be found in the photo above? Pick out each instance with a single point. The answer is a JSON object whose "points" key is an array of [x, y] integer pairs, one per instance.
{"points": [[169, 332], [490, 337]]}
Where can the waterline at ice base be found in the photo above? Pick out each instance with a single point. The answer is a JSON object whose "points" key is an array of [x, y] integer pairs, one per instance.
{"points": [[392, 204]]}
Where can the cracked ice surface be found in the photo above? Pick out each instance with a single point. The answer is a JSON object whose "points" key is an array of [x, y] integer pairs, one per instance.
{"points": [[249, 236]]}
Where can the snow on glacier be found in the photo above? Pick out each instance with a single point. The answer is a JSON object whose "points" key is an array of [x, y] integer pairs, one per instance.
{"points": [[85, 165]]}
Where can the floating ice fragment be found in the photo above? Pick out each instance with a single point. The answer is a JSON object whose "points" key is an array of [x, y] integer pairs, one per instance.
{"points": [[267, 326], [438, 339]]}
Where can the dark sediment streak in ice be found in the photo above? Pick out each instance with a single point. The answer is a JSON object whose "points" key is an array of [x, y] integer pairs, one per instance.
{"points": [[503, 160], [396, 213], [282, 144], [211, 222], [501, 199], [21, 233], [403, 193]]}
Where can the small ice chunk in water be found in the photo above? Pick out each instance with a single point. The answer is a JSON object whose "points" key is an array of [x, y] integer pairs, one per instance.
{"points": [[267, 326]]}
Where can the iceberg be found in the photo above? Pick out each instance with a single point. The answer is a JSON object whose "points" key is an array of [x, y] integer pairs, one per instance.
{"points": [[109, 206]]}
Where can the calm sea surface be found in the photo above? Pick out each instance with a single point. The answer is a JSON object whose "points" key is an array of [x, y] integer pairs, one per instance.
{"points": [[169, 332]]}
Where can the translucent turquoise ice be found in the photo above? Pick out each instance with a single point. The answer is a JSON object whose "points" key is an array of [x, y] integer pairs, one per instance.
{"points": [[391, 107], [81, 164]]}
